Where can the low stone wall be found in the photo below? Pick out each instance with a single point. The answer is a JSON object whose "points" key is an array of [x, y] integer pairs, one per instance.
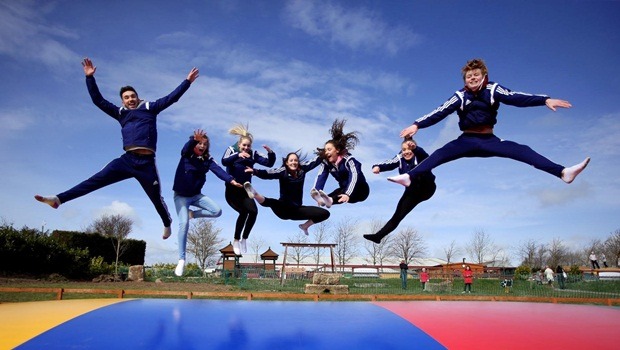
{"points": [[326, 283], [445, 286], [326, 289]]}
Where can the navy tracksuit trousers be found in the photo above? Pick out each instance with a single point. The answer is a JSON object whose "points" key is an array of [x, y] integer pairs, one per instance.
{"points": [[485, 145], [140, 167]]}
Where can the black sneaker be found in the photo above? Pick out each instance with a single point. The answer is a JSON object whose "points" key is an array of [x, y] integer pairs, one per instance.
{"points": [[373, 238]]}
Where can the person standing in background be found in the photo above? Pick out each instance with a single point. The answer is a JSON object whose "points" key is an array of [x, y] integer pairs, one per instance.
{"points": [[403, 273], [549, 275], [423, 278], [468, 279], [594, 261], [559, 271]]}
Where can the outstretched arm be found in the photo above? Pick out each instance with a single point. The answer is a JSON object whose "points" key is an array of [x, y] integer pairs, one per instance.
{"points": [[89, 68], [93, 90], [554, 103]]}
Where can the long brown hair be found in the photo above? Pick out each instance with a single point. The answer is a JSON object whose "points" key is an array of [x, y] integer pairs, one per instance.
{"points": [[342, 141]]}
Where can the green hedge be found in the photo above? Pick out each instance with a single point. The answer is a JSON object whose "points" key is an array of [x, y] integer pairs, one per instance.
{"points": [[99, 245], [29, 251], [71, 254]]}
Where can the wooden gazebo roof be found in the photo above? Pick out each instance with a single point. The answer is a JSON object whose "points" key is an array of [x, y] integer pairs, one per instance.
{"points": [[228, 251], [269, 255]]}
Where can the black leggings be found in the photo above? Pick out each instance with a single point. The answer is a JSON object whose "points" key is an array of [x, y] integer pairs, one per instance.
{"points": [[360, 193], [290, 212], [238, 199], [413, 195]]}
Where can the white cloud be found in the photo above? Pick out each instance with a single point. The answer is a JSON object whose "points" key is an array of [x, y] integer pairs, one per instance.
{"points": [[561, 196], [120, 208], [25, 34], [601, 138], [354, 28], [15, 120]]}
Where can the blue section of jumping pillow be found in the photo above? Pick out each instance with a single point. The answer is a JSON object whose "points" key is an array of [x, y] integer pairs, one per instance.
{"points": [[232, 324]]}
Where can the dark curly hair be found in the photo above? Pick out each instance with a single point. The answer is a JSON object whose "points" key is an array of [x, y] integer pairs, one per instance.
{"points": [[340, 139]]}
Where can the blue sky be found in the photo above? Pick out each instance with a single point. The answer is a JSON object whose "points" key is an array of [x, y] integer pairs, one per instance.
{"points": [[289, 68]]}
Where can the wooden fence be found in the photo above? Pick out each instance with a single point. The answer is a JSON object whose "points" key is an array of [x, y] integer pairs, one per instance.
{"points": [[131, 293]]}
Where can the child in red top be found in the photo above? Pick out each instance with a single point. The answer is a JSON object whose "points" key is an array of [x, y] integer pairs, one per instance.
{"points": [[468, 278], [423, 278]]}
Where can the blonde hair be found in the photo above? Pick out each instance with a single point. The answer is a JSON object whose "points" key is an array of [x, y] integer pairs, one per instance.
{"points": [[241, 131]]}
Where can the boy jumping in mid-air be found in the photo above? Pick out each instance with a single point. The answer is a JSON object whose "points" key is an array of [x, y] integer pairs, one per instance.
{"points": [[138, 121], [476, 105]]}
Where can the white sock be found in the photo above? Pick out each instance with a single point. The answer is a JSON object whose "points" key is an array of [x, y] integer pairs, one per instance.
{"points": [[303, 228], [569, 174], [236, 247], [403, 179], [317, 197], [243, 245], [249, 189], [52, 201], [327, 199], [180, 268]]}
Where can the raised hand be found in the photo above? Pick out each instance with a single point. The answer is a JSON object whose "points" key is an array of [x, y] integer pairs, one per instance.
{"points": [[199, 134], [193, 74], [89, 68], [409, 131]]}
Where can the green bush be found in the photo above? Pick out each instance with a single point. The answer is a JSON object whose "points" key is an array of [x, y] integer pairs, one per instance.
{"points": [[523, 272], [99, 267]]}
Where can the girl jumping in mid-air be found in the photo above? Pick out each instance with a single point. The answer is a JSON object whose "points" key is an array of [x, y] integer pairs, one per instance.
{"points": [[289, 206], [421, 189], [189, 179], [337, 161], [236, 159]]}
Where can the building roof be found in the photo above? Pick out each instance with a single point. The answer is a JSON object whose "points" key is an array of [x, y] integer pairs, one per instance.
{"points": [[228, 251], [269, 255]]}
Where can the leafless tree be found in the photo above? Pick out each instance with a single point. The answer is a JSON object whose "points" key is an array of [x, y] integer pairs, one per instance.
{"points": [[481, 246], [451, 251], [116, 227], [203, 242], [556, 253], [407, 244], [541, 256], [612, 247], [320, 234], [256, 245], [298, 254], [573, 257], [377, 253], [346, 240], [527, 252]]}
